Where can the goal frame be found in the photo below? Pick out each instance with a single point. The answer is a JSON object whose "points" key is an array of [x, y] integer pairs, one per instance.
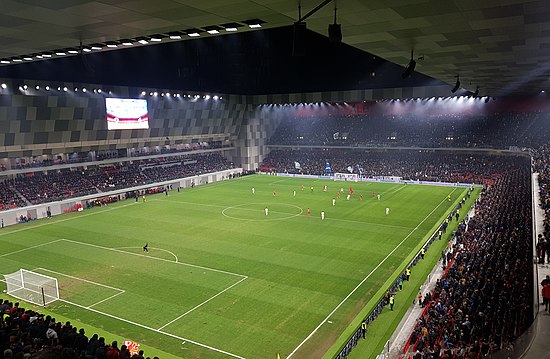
{"points": [[33, 291]]}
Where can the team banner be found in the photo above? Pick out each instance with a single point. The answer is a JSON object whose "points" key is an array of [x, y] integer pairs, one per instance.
{"points": [[328, 169], [132, 346]]}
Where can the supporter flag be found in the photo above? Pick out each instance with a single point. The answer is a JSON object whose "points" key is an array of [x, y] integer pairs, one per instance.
{"points": [[328, 169], [350, 169], [297, 165], [359, 169], [132, 346], [336, 135]]}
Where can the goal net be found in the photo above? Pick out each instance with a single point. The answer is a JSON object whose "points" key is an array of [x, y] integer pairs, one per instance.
{"points": [[32, 287], [346, 177]]}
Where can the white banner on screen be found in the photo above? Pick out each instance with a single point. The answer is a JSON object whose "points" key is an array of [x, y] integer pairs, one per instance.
{"points": [[126, 114]]}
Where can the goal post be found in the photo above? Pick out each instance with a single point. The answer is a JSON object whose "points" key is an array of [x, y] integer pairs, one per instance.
{"points": [[32, 287], [346, 177]]}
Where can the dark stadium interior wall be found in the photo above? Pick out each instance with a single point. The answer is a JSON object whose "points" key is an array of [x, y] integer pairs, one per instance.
{"points": [[41, 122], [257, 128], [248, 63]]}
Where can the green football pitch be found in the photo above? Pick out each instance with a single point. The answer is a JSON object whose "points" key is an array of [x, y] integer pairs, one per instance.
{"points": [[223, 279]]}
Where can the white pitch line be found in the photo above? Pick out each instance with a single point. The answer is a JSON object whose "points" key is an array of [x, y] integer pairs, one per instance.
{"points": [[201, 304], [106, 299], [80, 279], [65, 219], [26, 249], [250, 209], [155, 248], [365, 279], [155, 258], [153, 329]]}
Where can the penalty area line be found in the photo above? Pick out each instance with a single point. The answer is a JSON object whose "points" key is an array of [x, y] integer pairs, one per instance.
{"points": [[153, 329], [367, 277], [201, 304], [154, 258]]}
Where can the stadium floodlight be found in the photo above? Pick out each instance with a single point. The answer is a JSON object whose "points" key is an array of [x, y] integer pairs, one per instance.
{"points": [[143, 40], [231, 27], [212, 30], [193, 32], [157, 37], [32, 287], [254, 23], [175, 35]]}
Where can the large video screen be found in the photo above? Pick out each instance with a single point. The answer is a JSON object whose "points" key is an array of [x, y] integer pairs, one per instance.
{"points": [[126, 114]]}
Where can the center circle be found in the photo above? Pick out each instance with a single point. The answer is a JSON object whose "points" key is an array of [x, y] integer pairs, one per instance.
{"points": [[256, 211]]}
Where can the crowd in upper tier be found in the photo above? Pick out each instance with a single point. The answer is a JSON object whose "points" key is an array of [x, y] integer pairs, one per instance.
{"points": [[484, 300], [413, 165], [41, 187], [525, 129], [80, 157]]}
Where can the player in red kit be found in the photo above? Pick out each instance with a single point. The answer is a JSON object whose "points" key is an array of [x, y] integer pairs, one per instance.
{"points": [[274, 193], [338, 194], [308, 212], [302, 187], [361, 196]]}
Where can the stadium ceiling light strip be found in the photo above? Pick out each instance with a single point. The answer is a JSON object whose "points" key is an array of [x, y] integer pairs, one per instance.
{"points": [[140, 40]]}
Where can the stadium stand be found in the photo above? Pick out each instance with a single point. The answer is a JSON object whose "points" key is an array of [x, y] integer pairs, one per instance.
{"points": [[411, 130], [38, 187], [9, 197], [428, 166], [481, 304], [29, 334]]}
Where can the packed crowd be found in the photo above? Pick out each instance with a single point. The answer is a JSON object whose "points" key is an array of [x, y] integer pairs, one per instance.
{"points": [[40, 187], [410, 165], [411, 130], [80, 157], [29, 334], [484, 300], [9, 198], [541, 163]]}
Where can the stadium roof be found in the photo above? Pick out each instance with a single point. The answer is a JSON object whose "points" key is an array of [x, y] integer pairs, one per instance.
{"points": [[503, 46]]}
